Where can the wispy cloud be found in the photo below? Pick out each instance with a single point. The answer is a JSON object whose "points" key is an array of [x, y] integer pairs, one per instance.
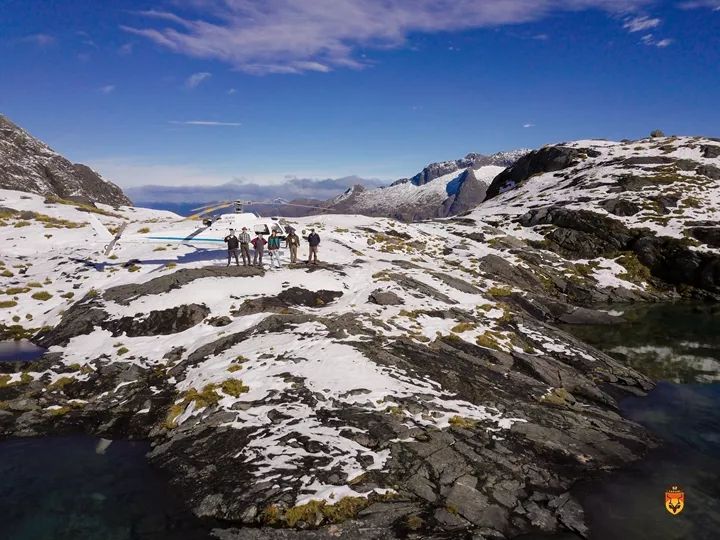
{"points": [[204, 123], [107, 89], [528, 125], [696, 4], [651, 41], [126, 49], [641, 24], [41, 40], [194, 80], [296, 36], [231, 91]]}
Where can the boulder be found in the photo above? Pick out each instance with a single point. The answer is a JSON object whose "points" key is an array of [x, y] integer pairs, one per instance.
{"points": [[620, 207], [385, 298], [711, 171]]}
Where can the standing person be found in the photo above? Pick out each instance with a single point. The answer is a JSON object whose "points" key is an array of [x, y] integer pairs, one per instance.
{"points": [[259, 244], [293, 242], [313, 242], [274, 249], [232, 245], [245, 246]]}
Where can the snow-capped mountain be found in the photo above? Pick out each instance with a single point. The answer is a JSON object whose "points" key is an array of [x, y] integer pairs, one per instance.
{"points": [[441, 189], [414, 384], [27, 164]]}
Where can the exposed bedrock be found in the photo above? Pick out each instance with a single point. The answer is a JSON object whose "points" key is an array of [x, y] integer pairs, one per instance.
{"points": [[84, 316], [548, 159], [124, 294], [581, 234]]}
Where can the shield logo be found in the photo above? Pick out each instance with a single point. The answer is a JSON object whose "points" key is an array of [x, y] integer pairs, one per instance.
{"points": [[674, 500]]}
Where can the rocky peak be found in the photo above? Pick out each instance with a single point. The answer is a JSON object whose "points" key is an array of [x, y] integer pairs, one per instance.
{"points": [[472, 161], [28, 164]]}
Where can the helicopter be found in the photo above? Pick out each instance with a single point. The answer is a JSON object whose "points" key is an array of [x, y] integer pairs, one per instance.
{"points": [[214, 227]]}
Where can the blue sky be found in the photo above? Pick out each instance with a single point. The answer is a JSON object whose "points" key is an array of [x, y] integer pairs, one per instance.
{"points": [[206, 91]]}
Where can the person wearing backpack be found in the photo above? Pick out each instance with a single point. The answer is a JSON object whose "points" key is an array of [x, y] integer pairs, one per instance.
{"points": [[274, 249], [293, 243], [259, 244], [313, 242], [232, 245]]}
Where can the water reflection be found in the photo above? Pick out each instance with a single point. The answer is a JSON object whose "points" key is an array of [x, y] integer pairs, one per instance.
{"points": [[680, 345], [79, 488], [19, 351]]}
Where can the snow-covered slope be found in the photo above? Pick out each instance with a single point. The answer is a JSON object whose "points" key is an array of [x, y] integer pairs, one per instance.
{"points": [[27, 164]]}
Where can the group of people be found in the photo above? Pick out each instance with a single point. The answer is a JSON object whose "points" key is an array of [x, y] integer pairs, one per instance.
{"points": [[240, 245]]}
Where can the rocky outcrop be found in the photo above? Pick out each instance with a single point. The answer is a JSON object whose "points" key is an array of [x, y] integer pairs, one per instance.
{"points": [[124, 294], [26, 164], [160, 322], [470, 194], [547, 159], [585, 234], [707, 235], [471, 161], [84, 316]]}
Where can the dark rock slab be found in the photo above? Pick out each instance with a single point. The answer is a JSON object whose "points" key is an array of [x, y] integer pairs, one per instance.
{"points": [[711, 171], [124, 294], [548, 159], [161, 322], [707, 235], [710, 151]]}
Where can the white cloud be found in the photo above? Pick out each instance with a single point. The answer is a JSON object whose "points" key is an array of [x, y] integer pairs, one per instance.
{"points": [[41, 40], [528, 125], [640, 24], [194, 80], [296, 36], [231, 91], [696, 4], [651, 41], [107, 89], [204, 123]]}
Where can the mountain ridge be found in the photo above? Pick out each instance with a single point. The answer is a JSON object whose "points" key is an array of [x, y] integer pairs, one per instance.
{"points": [[28, 164]]}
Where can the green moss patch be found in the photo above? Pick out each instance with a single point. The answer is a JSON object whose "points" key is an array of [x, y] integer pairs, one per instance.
{"points": [[233, 387], [42, 296]]}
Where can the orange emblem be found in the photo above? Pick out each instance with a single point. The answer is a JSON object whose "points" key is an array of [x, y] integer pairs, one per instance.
{"points": [[674, 500]]}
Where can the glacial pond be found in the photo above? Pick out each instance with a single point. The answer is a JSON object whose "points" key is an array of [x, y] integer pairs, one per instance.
{"points": [[79, 488], [19, 351], [679, 346]]}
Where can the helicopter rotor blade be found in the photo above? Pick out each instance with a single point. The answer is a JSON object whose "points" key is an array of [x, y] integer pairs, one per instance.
{"points": [[209, 205], [208, 209]]}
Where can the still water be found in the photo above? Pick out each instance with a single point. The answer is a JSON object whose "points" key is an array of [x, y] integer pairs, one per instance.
{"points": [[19, 351], [75, 488], [678, 345]]}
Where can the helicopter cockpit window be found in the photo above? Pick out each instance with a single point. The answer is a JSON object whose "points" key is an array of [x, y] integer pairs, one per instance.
{"points": [[261, 229]]}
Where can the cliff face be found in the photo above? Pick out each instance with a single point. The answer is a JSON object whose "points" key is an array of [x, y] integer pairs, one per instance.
{"points": [[27, 164]]}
